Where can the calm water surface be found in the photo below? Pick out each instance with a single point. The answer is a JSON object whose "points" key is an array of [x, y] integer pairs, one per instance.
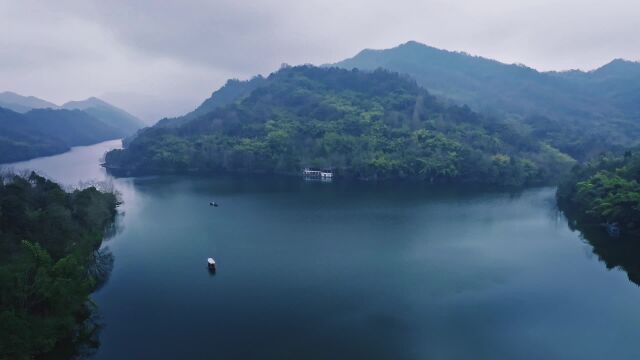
{"points": [[349, 270]]}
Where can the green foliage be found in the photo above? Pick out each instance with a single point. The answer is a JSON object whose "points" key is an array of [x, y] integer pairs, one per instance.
{"points": [[605, 190], [376, 125], [233, 91], [48, 238], [579, 113]]}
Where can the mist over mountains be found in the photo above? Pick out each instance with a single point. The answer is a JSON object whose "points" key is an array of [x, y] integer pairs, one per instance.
{"points": [[16, 102], [579, 113], [34, 127], [108, 114], [319, 179]]}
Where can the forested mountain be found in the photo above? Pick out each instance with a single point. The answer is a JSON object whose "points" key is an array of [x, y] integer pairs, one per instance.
{"points": [[49, 263], [18, 103], [231, 92], [616, 83], [108, 114], [580, 113], [372, 125], [41, 132]]}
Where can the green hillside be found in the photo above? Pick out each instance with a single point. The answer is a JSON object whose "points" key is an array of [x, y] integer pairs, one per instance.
{"points": [[377, 125], [579, 113]]}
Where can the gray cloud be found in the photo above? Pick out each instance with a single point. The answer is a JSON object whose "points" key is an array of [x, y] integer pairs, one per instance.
{"points": [[174, 53]]}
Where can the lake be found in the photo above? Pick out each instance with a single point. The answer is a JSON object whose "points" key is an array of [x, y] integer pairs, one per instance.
{"points": [[352, 270]]}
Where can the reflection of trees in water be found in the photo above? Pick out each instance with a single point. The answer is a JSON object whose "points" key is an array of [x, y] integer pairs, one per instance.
{"points": [[101, 266], [622, 252], [103, 259], [114, 228], [84, 342]]}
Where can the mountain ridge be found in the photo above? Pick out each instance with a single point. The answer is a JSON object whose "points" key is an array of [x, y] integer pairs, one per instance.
{"points": [[20, 103], [42, 132], [107, 113], [368, 125], [604, 101]]}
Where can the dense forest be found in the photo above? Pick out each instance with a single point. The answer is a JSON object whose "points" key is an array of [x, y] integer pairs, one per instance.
{"points": [[605, 190], [580, 113], [49, 262], [368, 125], [233, 91]]}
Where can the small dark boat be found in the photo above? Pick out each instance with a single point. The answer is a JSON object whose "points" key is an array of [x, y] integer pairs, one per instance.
{"points": [[211, 264], [213, 203]]}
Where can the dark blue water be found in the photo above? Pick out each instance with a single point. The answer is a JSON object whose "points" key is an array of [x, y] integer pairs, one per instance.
{"points": [[350, 271]]}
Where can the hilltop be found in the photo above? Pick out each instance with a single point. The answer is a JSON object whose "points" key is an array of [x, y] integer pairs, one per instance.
{"points": [[370, 125], [580, 113]]}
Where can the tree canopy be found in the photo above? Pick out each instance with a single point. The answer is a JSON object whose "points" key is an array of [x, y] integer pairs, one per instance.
{"points": [[605, 190], [369, 125], [49, 241], [580, 113]]}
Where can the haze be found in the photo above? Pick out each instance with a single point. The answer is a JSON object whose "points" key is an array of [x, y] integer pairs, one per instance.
{"points": [[158, 59]]}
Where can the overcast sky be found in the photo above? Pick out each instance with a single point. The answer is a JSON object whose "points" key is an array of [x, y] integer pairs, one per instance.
{"points": [[162, 58]]}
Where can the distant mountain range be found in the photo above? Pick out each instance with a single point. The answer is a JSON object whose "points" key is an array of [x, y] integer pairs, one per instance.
{"points": [[580, 113], [32, 127], [108, 114], [16, 102]]}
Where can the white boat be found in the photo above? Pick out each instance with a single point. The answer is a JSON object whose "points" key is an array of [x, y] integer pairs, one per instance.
{"points": [[211, 264], [325, 174]]}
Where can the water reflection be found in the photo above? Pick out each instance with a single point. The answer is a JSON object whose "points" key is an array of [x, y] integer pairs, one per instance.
{"points": [[355, 270], [615, 252], [101, 266], [84, 343]]}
